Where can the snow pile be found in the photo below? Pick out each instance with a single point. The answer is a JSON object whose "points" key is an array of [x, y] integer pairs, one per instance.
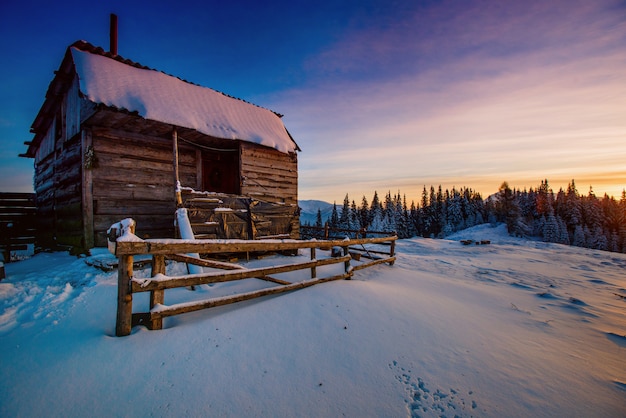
{"points": [[157, 96], [512, 328]]}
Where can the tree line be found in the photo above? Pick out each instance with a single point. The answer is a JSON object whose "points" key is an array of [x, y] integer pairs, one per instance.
{"points": [[565, 217]]}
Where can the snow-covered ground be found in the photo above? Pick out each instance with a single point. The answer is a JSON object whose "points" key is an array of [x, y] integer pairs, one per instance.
{"points": [[513, 328]]}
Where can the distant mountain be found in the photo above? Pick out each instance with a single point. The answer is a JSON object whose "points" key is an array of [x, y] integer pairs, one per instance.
{"points": [[308, 210]]}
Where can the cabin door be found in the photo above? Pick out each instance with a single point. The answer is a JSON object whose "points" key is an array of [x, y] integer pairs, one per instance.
{"points": [[220, 172]]}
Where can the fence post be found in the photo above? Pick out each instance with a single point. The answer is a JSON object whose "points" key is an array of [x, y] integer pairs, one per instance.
{"points": [[313, 269], [124, 296], [392, 250], [157, 296], [346, 251]]}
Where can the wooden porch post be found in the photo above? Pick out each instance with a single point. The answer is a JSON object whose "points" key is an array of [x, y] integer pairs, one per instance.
{"points": [[87, 187], [179, 198]]}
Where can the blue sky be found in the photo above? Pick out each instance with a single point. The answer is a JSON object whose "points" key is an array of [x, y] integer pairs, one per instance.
{"points": [[380, 95]]}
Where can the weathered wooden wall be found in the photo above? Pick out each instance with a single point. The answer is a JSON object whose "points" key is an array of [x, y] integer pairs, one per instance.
{"points": [[268, 174], [271, 176], [133, 176], [17, 222], [94, 169], [57, 185]]}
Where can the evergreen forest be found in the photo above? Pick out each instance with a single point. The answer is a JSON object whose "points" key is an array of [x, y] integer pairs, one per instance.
{"points": [[565, 217]]}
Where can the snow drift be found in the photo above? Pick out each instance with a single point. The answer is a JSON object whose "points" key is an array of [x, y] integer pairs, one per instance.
{"points": [[513, 328]]}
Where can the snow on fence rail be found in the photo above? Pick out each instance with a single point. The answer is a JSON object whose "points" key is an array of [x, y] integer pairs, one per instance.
{"points": [[326, 232], [125, 245]]}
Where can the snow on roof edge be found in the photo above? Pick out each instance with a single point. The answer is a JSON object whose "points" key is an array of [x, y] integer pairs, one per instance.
{"points": [[155, 95]]}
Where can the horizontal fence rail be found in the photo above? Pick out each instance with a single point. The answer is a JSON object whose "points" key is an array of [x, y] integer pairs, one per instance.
{"points": [[125, 249], [17, 222], [326, 232]]}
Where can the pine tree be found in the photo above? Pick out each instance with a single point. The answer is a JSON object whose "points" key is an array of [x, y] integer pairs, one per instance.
{"points": [[455, 220], [563, 235], [379, 223], [573, 215], [318, 219], [622, 229], [344, 218], [508, 211], [334, 217], [579, 239], [364, 213], [355, 220], [374, 208], [550, 228]]}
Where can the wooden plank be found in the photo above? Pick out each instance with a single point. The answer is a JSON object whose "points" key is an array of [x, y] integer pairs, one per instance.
{"points": [[102, 222], [257, 170], [144, 207], [16, 242], [143, 147], [145, 176], [254, 151], [155, 246], [129, 190], [87, 190], [165, 311], [367, 250], [157, 297], [13, 247], [23, 197], [232, 275], [17, 211], [117, 161], [389, 260], [274, 280], [19, 204], [204, 262]]}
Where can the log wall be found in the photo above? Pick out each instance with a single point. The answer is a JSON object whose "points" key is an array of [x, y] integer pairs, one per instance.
{"points": [[57, 185], [17, 223], [268, 174], [119, 165], [133, 176], [271, 176]]}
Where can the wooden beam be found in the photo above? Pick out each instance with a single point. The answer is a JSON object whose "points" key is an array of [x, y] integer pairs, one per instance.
{"points": [[124, 296], [389, 260], [274, 280], [139, 285], [157, 297], [164, 311], [154, 246], [179, 199], [204, 263]]}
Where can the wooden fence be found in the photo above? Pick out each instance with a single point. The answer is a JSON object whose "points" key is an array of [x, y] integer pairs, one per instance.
{"points": [[160, 250], [17, 222], [325, 232]]}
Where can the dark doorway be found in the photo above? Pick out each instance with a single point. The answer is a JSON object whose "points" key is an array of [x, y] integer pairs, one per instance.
{"points": [[220, 172]]}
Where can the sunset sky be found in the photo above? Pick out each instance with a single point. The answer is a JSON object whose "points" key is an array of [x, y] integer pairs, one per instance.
{"points": [[380, 95]]}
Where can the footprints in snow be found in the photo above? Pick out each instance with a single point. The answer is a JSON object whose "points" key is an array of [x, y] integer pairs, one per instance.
{"points": [[425, 400]]}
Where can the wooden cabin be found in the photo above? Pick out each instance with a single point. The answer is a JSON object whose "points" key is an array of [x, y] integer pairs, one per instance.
{"points": [[113, 137]]}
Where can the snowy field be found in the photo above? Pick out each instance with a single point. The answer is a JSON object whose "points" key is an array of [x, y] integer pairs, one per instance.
{"points": [[513, 328]]}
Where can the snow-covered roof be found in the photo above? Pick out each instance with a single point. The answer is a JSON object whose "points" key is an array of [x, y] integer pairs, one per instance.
{"points": [[161, 97]]}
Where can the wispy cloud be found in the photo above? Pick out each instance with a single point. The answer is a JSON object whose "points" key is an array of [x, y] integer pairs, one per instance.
{"points": [[522, 92]]}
